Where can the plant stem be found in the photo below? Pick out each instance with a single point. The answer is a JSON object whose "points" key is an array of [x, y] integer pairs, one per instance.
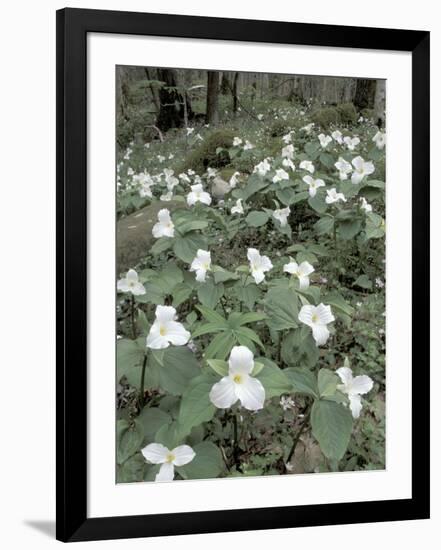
{"points": [[297, 437], [132, 316], [235, 446], [141, 385]]}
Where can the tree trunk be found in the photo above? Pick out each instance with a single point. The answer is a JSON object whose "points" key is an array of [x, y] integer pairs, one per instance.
{"points": [[212, 112], [380, 104], [154, 92], [172, 111], [225, 84], [364, 94], [234, 92]]}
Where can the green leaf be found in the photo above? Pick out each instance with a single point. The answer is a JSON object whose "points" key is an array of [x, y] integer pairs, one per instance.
{"points": [[327, 160], [187, 246], [196, 406], [331, 426], [286, 196], [209, 293], [363, 282], [327, 382], [254, 184], [299, 348], [212, 316], [347, 229], [250, 334], [251, 317], [206, 464], [129, 438], [273, 379], [179, 366], [181, 293], [256, 219], [142, 323], [219, 367], [318, 203], [220, 346], [132, 469], [151, 419], [282, 307], [302, 380], [161, 245], [337, 301], [208, 328], [248, 294], [222, 275], [129, 355], [169, 435], [311, 149], [324, 225]]}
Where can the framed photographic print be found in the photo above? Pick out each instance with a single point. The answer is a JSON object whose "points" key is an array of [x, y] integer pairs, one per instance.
{"points": [[242, 274]]}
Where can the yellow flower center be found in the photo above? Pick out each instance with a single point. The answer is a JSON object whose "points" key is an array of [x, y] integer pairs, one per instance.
{"points": [[206, 266], [237, 378], [170, 457], [314, 318], [162, 331]]}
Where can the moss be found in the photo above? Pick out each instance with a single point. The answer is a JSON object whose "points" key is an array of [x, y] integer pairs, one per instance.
{"points": [[348, 113], [326, 116], [211, 152], [279, 128]]}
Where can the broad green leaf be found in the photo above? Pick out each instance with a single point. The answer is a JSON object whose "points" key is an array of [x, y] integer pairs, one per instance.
{"points": [[250, 334], [151, 419], [209, 293], [161, 245], [181, 293], [347, 229], [169, 435], [212, 316], [220, 346], [142, 323], [221, 275], [208, 328], [282, 308], [129, 438], [273, 379], [196, 406], [327, 160], [186, 247], [324, 225], [248, 294], [254, 184], [219, 367], [132, 469], [327, 382], [331, 426], [336, 301], [251, 317], [303, 380], [206, 464], [129, 355], [256, 219], [286, 196], [318, 203], [180, 365], [299, 348], [363, 282]]}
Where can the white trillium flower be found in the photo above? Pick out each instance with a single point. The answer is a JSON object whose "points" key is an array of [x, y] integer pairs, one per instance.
{"points": [[280, 175], [354, 388], [333, 196], [160, 158], [379, 139], [259, 265], [288, 163], [307, 165], [362, 169], [239, 385], [197, 194], [344, 168], [263, 167], [159, 454], [308, 128], [201, 264], [317, 317], [130, 283], [190, 131], [166, 330], [237, 141], [185, 178], [288, 151], [237, 208], [211, 172], [313, 184], [302, 271], [351, 143], [167, 197], [165, 226], [281, 215], [248, 146], [287, 138], [324, 140], [365, 205], [287, 403], [233, 180], [337, 136]]}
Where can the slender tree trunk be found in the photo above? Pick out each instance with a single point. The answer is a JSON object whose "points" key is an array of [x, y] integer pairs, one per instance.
{"points": [[172, 112], [212, 112], [234, 92], [364, 94], [154, 92], [380, 104]]}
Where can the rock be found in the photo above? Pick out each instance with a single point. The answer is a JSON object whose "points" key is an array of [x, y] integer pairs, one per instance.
{"points": [[134, 234]]}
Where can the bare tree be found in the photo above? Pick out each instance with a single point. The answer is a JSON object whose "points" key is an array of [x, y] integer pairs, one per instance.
{"points": [[380, 103], [212, 112], [175, 106]]}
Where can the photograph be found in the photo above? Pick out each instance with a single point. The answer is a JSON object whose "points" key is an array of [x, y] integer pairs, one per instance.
{"points": [[250, 274]]}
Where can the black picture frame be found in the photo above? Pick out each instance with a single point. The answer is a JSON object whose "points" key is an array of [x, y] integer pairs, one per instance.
{"points": [[72, 28]]}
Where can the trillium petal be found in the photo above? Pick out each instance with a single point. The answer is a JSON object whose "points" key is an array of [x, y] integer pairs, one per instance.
{"points": [[123, 286], [223, 394], [320, 334], [201, 275], [241, 360], [251, 394], [258, 276], [154, 338], [345, 374], [166, 472], [183, 455], [308, 180], [253, 255], [305, 314], [356, 177], [155, 453], [176, 333], [291, 267], [164, 314], [303, 282], [362, 384], [132, 276], [325, 314], [306, 268], [138, 289], [164, 216], [265, 263], [355, 405], [358, 163]]}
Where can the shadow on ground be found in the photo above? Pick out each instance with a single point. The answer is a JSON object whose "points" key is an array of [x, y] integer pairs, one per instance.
{"points": [[44, 526]]}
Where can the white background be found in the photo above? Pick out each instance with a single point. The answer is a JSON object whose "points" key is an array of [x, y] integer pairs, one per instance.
{"points": [[28, 244]]}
